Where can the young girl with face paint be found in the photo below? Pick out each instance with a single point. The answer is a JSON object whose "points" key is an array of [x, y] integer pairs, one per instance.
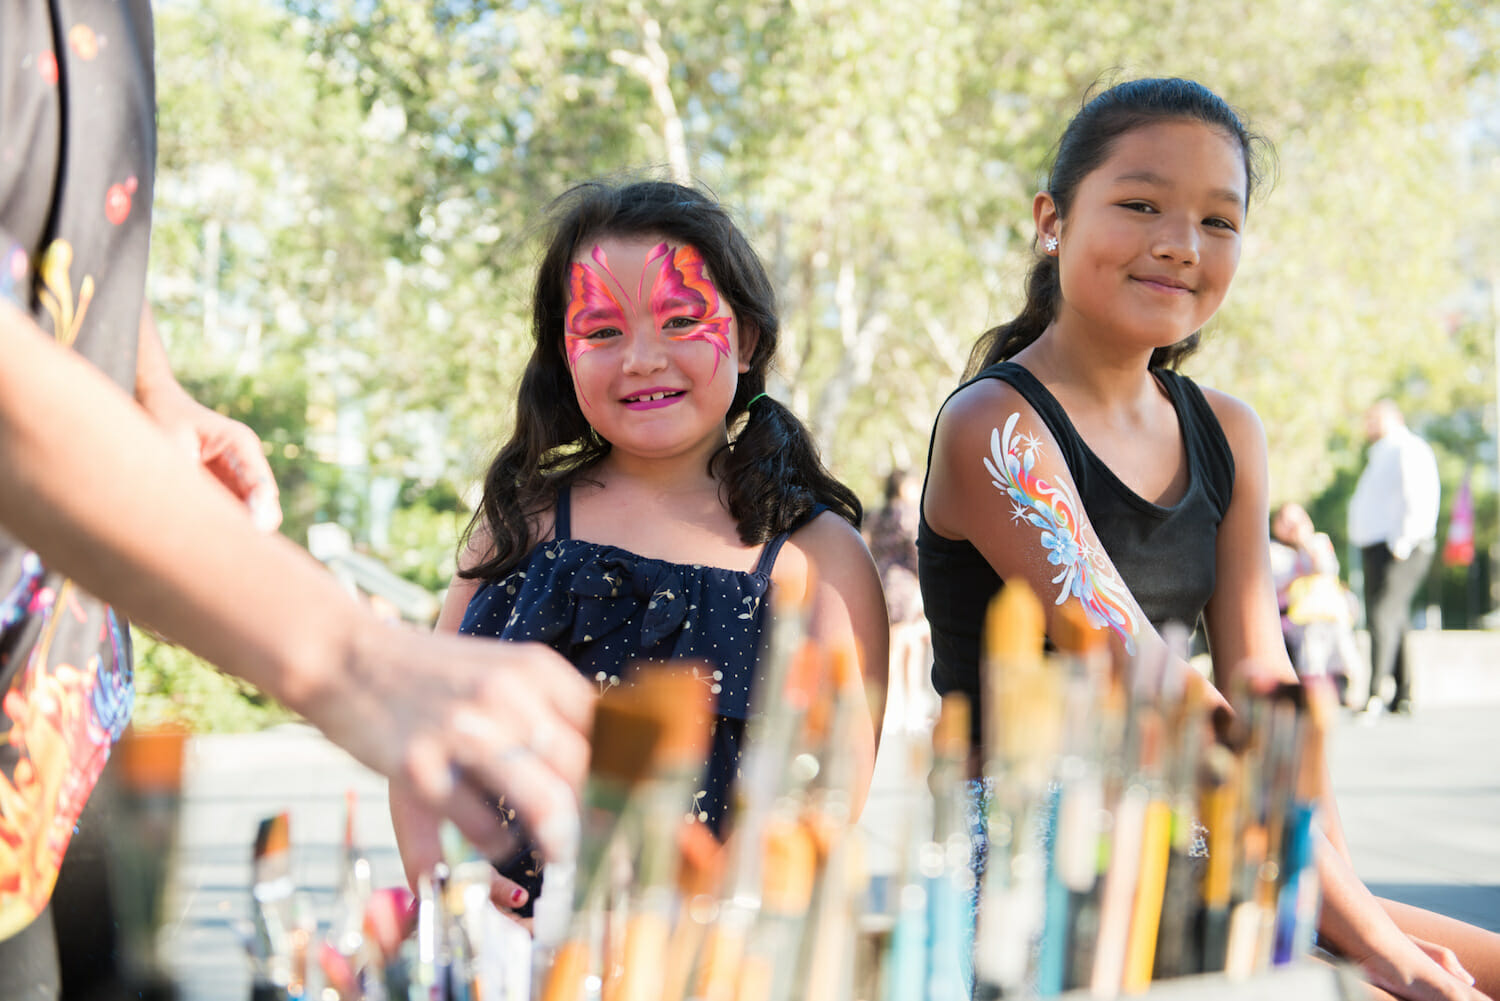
{"points": [[652, 495], [1076, 459]]}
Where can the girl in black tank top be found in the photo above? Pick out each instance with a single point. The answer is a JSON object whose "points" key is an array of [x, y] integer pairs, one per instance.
{"points": [[1077, 460]]}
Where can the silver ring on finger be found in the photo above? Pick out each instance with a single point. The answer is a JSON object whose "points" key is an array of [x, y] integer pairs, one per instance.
{"points": [[543, 736], [514, 753]]}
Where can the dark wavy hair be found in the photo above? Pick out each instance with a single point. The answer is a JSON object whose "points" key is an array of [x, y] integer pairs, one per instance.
{"points": [[1085, 144], [770, 476]]}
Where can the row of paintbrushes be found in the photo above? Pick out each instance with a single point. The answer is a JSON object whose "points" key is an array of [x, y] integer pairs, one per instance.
{"points": [[383, 944], [1138, 830], [1133, 834]]}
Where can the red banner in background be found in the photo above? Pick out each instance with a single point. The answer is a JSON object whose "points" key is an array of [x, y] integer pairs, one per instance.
{"points": [[1458, 550]]}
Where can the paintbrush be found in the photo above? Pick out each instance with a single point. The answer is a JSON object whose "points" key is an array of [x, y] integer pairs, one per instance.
{"points": [[659, 804], [1297, 905], [1113, 717], [1218, 805], [700, 873], [790, 871], [1176, 948], [1078, 794], [624, 744], [946, 861], [903, 960], [772, 775], [1246, 916], [271, 893], [1281, 774], [1022, 709], [828, 956], [1135, 823]]}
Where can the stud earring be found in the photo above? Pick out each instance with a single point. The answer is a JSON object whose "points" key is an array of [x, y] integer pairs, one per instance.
{"points": [[1051, 244]]}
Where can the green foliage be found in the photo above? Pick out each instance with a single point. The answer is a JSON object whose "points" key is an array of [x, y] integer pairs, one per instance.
{"points": [[349, 190], [173, 686], [424, 534]]}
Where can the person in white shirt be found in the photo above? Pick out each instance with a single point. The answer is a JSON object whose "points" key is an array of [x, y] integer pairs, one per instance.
{"points": [[1393, 520]]}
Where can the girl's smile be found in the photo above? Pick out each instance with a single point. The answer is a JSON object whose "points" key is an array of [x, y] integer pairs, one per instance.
{"points": [[652, 399]]}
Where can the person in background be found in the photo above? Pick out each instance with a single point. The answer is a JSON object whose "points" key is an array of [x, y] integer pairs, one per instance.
{"points": [[892, 536], [652, 496], [1393, 520], [120, 496], [1317, 611]]}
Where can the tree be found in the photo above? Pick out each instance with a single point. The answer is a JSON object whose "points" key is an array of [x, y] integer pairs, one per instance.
{"points": [[367, 200]]}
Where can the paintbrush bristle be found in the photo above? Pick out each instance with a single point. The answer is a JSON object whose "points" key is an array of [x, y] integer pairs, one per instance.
{"points": [[626, 738], [1072, 632], [950, 737], [273, 836], [1015, 626], [685, 704]]}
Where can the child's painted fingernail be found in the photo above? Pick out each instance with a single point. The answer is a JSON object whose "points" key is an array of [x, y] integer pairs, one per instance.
{"points": [[517, 897]]}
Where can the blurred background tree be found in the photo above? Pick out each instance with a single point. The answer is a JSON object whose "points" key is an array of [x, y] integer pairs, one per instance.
{"points": [[348, 191]]}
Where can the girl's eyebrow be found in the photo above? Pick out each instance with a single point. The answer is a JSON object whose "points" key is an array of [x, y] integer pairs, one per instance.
{"points": [[1156, 180], [595, 314], [677, 301]]}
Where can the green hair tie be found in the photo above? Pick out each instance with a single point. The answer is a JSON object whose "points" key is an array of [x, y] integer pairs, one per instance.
{"points": [[753, 399]]}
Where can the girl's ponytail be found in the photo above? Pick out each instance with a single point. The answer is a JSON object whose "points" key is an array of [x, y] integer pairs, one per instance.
{"points": [[1043, 295], [773, 477]]}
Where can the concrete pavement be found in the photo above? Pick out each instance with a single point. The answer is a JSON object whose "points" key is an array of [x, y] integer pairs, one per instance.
{"points": [[1419, 797]]}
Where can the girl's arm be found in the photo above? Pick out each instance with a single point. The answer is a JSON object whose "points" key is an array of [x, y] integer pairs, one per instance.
{"points": [[94, 486], [1245, 636], [416, 827], [849, 612], [998, 479]]}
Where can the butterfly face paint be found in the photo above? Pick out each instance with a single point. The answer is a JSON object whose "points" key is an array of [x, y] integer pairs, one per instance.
{"points": [[646, 333], [1084, 571], [684, 303]]}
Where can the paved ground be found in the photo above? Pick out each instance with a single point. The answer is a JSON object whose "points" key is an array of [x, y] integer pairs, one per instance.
{"points": [[1420, 799]]}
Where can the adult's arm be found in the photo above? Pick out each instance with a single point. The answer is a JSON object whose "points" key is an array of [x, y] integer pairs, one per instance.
{"points": [[100, 492]]}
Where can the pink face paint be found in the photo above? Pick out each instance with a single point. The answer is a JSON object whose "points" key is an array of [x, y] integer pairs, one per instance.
{"points": [[591, 306], [683, 288], [1084, 571]]}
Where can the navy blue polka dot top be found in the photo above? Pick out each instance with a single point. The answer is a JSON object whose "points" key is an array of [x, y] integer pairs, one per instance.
{"points": [[614, 613]]}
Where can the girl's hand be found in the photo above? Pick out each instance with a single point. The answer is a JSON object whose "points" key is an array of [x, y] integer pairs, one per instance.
{"points": [[1444, 957], [1418, 970], [509, 895]]}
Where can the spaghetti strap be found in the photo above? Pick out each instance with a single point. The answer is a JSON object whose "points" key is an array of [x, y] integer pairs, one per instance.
{"points": [[768, 555], [772, 548], [562, 515]]}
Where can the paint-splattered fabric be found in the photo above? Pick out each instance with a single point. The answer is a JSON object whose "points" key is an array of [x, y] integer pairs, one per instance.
{"points": [[613, 613], [77, 154], [1165, 555]]}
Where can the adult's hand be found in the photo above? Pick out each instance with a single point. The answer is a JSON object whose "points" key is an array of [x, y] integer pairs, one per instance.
{"points": [[228, 449], [459, 723]]}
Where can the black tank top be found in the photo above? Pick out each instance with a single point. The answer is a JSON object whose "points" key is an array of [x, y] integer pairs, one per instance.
{"points": [[1165, 555]]}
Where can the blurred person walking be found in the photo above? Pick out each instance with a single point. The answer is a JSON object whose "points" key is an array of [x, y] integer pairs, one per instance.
{"points": [[1393, 520]]}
